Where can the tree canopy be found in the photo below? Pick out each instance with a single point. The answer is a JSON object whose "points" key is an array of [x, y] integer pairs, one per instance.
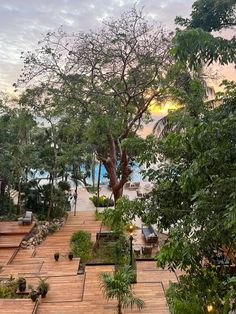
{"points": [[196, 44]]}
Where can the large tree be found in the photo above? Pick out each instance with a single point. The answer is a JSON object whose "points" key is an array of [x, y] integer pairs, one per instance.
{"points": [[196, 44], [114, 74]]}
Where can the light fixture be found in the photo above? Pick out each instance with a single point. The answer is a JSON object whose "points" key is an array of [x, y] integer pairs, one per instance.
{"points": [[131, 228], [210, 308]]}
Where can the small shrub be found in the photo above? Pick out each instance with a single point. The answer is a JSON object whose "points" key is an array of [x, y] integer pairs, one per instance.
{"points": [[8, 289], [98, 215], [64, 186], [53, 228], [92, 189], [103, 201], [82, 245]]}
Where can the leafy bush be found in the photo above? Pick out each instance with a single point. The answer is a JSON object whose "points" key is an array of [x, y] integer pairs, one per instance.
{"points": [[103, 201], [82, 245], [92, 189], [64, 186], [194, 292], [53, 228], [118, 218], [8, 289], [8, 210]]}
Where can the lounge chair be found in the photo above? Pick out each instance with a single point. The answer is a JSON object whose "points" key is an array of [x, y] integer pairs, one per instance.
{"points": [[147, 250], [26, 219], [134, 185], [150, 234]]}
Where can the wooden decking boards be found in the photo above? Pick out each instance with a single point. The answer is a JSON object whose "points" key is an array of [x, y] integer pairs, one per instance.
{"points": [[70, 292], [12, 306]]}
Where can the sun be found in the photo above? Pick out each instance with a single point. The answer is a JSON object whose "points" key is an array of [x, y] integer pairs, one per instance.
{"points": [[164, 107]]}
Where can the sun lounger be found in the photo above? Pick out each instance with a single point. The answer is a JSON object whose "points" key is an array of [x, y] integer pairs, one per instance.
{"points": [[147, 250], [150, 234], [134, 185], [26, 219]]}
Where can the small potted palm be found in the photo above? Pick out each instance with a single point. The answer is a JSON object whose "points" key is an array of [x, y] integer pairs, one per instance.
{"points": [[43, 287], [56, 256], [33, 295], [22, 284]]}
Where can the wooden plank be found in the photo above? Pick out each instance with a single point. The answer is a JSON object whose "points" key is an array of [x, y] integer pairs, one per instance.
{"points": [[19, 306]]}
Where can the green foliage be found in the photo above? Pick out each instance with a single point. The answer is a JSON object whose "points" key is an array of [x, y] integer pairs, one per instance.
{"points": [[64, 186], [119, 251], [210, 15], [8, 289], [195, 44], [103, 201], [120, 216], [53, 228], [98, 215], [81, 245], [118, 286], [193, 293], [43, 286]]}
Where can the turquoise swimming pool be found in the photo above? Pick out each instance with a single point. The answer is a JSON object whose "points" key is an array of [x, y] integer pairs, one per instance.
{"points": [[135, 176]]}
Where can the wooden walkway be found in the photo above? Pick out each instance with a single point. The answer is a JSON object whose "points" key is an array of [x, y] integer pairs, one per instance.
{"points": [[11, 235], [72, 293]]}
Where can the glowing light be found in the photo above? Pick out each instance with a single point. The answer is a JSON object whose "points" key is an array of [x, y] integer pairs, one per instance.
{"points": [[130, 228], [210, 308], [165, 107]]}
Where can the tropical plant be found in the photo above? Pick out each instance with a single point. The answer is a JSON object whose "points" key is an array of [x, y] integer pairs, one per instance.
{"points": [[102, 201], [212, 290], [118, 218], [8, 289], [21, 284], [43, 287], [82, 245], [119, 286]]}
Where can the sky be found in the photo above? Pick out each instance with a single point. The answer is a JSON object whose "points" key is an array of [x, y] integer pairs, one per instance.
{"points": [[24, 22]]}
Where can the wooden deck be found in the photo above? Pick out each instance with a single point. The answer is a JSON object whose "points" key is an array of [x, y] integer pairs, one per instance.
{"points": [[12, 227], [73, 293], [11, 235], [11, 306]]}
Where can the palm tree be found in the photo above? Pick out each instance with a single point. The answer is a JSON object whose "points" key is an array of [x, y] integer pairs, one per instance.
{"points": [[118, 286]]}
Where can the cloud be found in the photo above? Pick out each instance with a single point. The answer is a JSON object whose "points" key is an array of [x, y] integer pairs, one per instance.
{"points": [[23, 23]]}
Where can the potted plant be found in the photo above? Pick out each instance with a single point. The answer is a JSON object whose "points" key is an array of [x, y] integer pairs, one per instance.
{"points": [[81, 268], [33, 295], [70, 256], [56, 256], [43, 287], [22, 284]]}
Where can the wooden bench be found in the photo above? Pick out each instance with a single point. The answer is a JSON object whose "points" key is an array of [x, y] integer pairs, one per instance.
{"points": [[150, 234]]}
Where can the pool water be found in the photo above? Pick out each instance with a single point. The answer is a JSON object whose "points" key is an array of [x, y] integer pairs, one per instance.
{"points": [[135, 175]]}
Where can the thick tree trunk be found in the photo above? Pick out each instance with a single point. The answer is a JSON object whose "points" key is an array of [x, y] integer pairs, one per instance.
{"points": [[110, 165]]}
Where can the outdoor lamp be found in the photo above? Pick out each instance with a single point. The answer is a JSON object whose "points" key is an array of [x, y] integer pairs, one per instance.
{"points": [[210, 308], [131, 229]]}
